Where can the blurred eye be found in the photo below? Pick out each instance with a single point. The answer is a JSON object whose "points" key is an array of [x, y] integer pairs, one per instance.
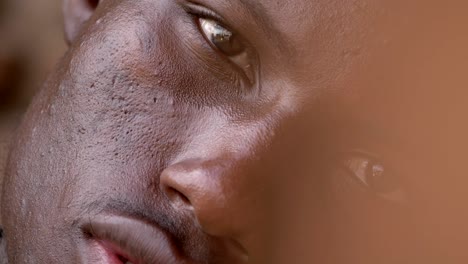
{"points": [[374, 176], [228, 43]]}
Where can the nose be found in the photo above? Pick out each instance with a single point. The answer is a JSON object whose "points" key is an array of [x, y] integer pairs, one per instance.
{"points": [[211, 190]]}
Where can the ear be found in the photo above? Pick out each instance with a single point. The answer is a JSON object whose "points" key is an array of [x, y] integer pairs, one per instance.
{"points": [[76, 13]]}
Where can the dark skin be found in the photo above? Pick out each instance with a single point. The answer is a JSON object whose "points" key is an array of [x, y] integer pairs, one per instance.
{"points": [[293, 142]]}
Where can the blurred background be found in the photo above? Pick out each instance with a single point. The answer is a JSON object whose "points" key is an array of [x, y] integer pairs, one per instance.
{"points": [[31, 42]]}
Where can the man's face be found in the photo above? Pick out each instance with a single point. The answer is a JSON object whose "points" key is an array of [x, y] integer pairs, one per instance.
{"points": [[230, 132]]}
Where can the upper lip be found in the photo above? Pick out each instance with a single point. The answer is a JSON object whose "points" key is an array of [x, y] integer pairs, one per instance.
{"points": [[135, 240]]}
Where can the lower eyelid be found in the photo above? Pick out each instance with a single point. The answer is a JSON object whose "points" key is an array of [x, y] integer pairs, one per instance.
{"points": [[346, 188], [205, 56]]}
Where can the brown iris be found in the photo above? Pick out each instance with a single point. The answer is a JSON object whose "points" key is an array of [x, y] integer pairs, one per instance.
{"points": [[223, 39]]}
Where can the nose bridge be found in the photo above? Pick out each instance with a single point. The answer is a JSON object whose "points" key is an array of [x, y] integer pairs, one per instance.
{"points": [[213, 190]]}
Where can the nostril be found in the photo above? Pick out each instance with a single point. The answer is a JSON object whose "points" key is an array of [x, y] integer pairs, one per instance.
{"points": [[176, 197], [93, 3]]}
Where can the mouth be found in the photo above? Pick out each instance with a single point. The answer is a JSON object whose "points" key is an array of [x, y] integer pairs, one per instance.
{"points": [[122, 240]]}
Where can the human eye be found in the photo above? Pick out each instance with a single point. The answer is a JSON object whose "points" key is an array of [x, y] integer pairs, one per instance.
{"points": [[221, 38], [373, 176], [225, 41]]}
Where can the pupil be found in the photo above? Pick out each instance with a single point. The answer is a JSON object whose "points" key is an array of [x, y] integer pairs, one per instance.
{"points": [[221, 35], [377, 171], [379, 181], [374, 175], [223, 39]]}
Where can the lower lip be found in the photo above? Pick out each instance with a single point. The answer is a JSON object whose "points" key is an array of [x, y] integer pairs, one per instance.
{"points": [[104, 253], [107, 229]]}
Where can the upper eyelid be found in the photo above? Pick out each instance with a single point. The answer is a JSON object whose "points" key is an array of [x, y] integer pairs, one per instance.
{"points": [[371, 156], [199, 10]]}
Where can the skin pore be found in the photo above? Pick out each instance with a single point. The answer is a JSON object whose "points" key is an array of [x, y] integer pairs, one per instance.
{"points": [[240, 132]]}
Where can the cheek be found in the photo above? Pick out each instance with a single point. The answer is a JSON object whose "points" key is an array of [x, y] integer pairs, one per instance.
{"points": [[95, 115], [119, 110]]}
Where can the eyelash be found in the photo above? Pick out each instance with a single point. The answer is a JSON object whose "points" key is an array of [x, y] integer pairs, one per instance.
{"points": [[200, 12]]}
